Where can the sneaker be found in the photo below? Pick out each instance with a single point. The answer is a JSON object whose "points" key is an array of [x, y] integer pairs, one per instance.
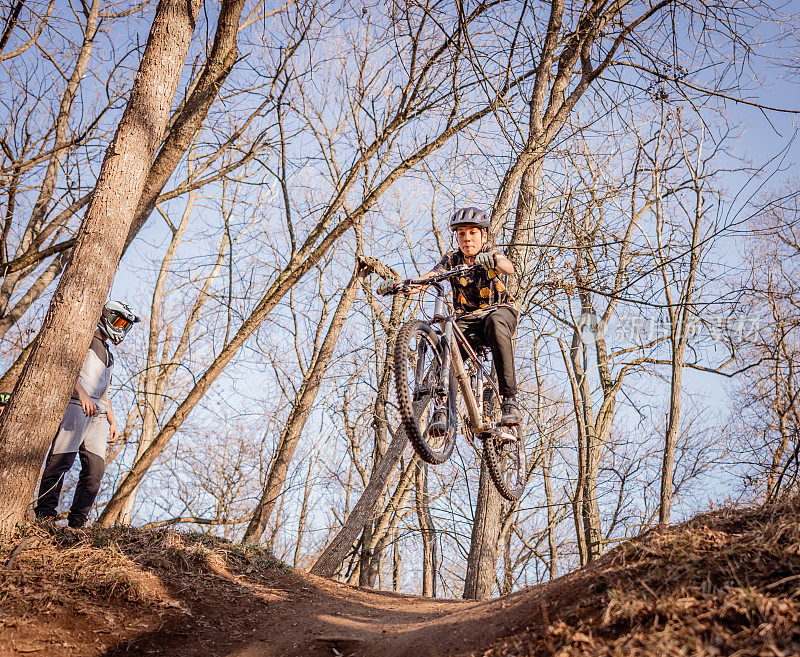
{"points": [[512, 415], [438, 424], [76, 521]]}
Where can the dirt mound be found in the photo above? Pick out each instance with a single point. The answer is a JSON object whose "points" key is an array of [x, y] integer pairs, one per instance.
{"points": [[724, 582]]}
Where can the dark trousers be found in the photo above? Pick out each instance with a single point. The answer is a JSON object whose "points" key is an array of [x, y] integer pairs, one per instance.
{"points": [[55, 469], [495, 330]]}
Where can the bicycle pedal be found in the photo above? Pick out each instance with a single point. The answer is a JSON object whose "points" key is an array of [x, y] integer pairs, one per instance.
{"points": [[505, 436]]}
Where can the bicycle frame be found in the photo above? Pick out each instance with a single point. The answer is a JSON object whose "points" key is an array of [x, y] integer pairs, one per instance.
{"points": [[452, 337], [502, 450]]}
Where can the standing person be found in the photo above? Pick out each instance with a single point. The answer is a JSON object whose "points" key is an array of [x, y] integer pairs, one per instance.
{"points": [[83, 429], [485, 310]]}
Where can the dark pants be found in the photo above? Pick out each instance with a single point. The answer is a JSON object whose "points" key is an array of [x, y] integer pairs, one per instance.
{"points": [[495, 330], [55, 469]]}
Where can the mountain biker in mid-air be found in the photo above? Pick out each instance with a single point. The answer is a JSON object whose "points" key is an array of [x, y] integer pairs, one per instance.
{"points": [[485, 309]]}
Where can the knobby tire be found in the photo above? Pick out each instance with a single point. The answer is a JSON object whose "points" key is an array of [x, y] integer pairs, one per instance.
{"points": [[497, 456], [411, 410]]}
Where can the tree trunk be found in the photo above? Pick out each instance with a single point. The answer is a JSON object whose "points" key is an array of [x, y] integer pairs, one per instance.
{"points": [[591, 510], [508, 562], [370, 560], [48, 378], [397, 561], [679, 319], [376, 533], [327, 563], [774, 470], [552, 543], [301, 521], [484, 546], [671, 437], [301, 409], [427, 529], [190, 116], [577, 498]]}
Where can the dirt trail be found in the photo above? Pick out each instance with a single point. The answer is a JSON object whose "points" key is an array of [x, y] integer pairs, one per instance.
{"points": [[722, 583], [298, 614], [203, 605]]}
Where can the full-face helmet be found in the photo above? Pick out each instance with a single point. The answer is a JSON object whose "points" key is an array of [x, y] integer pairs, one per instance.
{"points": [[469, 217], [116, 320]]}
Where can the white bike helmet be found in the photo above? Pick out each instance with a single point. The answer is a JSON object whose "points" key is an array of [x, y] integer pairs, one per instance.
{"points": [[116, 319]]}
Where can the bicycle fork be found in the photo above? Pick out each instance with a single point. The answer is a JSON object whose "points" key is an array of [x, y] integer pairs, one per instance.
{"points": [[443, 384]]}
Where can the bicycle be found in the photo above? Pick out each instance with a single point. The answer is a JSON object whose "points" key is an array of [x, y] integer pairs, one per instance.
{"points": [[429, 371]]}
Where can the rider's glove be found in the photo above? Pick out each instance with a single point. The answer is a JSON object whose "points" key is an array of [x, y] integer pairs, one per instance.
{"points": [[386, 287], [486, 260]]}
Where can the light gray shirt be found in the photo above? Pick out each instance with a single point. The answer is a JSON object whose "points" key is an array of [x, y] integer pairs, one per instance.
{"points": [[95, 376]]}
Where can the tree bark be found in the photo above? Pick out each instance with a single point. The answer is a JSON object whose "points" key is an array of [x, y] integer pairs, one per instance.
{"points": [[301, 521], [48, 378], [397, 560], [552, 543], [427, 529], [484, 546], [190, 116]]}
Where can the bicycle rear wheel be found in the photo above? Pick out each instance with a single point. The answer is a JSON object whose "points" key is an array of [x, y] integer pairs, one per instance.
{"points": [[417, 368], [504, 454]]}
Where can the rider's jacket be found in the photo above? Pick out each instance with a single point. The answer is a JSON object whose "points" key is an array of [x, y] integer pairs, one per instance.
{"points": [[477, 289], [95, 376]]}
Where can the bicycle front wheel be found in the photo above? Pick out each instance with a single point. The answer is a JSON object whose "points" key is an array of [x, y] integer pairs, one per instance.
{"points": [[504, 454], [417, 369]]}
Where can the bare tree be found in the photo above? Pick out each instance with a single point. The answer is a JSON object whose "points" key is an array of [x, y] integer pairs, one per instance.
{"points": [[421, 93], [679, 306], [427, 530], [485, 544], [41, 393], [762, 434], [13, 20], [165, 354], [47, 236], [303, 404], [335, 552]]}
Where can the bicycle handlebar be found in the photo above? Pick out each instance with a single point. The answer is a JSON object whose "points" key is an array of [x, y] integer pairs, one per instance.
{"points": [[408, 283]]}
